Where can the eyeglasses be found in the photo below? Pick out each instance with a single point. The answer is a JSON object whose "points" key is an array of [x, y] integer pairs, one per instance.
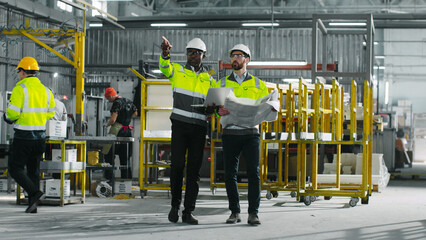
{"points": [[238, 55], [18, 70], [196, 53]]}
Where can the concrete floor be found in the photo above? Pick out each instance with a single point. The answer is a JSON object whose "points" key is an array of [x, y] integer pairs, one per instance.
{"points": [[398, 212]]}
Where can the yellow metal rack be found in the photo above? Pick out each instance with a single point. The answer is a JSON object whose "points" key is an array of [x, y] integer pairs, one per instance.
{"points": [[79, 170], [150, 138], [319, 119]]}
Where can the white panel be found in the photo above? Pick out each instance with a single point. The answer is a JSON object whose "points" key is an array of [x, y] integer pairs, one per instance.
{"points": [[160, 96], [158, 120]]}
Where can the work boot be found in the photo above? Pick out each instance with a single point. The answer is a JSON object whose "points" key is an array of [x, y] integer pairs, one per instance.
{"points": [[253, 219], [189, 218], [174, 215], [33, 202], [234, 218]]}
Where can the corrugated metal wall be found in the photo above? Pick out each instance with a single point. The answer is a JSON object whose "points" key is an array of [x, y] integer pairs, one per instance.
{"points": [[129, 46]]}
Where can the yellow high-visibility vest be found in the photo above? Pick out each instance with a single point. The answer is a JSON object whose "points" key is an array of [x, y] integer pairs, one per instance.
{"points": [[251, 88], [30, 105]]}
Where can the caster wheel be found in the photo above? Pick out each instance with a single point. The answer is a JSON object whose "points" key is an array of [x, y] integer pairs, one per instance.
{"points": [[274, 194], [327, 197], [268, 195], [353, 201], [313, 198], [302, 199], [293, 194], [307, 200]]}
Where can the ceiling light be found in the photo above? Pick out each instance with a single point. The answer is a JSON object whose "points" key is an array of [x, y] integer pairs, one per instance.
{"points": [[95, 24], [260, 24], [278, 63], [380, 57], [55, 74], [347, 24], [375, 43], [169, 24], [155, 71], [134, 14], [380, 67]]}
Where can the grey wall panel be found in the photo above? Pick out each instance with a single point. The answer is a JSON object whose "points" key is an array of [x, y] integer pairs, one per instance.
{"points": [[130, 46]]}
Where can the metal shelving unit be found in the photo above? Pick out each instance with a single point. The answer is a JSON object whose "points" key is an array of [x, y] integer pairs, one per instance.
{"points": [[63, 167]]}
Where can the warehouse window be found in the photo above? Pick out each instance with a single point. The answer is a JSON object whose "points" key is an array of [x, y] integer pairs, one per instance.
{"points": [[64, 6], [102, 5]]}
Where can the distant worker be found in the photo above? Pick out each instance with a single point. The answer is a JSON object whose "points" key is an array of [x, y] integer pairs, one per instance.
{"points": [[60, 110], [237, 139], [190, 83], [30, 105], [122, 112]]}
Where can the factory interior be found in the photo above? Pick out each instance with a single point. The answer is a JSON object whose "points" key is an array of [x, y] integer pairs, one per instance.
{"points": [[345, 157]]}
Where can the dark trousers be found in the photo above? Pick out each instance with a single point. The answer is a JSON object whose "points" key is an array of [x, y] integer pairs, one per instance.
{"points": [[123, 151], [26, 153], [233, 146], [191, 138]]}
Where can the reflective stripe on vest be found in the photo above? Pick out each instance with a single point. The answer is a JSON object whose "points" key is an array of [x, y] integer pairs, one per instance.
{"points": [[189, 93], [167, 66], [14, 108], [189, 114]]}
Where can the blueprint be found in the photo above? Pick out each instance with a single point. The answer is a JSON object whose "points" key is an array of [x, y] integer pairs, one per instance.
{"points": [[249, 113]]}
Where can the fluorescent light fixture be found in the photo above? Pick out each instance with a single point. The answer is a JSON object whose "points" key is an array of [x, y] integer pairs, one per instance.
{"points": [[134, 14], [375, 43], [380, 57], [380, 67], [386, 92], [169, 24], [81, 7], [260, 24], [347, 24], [295, 80], [55, 74], [278, 63], [155, 71], [95, 24]]}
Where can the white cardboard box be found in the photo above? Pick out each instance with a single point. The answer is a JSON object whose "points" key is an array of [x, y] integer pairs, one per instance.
{"points": [[70, 155], [52, 188], [56, 129], [124, 187]]}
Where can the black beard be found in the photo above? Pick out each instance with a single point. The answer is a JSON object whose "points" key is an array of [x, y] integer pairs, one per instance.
{"points": [[236, 66]]}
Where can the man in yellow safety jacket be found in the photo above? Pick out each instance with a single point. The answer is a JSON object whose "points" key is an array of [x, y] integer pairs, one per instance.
{"points": [[238, 139], [190, 83], [30, 105]]}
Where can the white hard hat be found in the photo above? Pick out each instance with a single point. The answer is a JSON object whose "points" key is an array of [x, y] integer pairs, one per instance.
{"points": [[196, 43], [242, 48]]}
